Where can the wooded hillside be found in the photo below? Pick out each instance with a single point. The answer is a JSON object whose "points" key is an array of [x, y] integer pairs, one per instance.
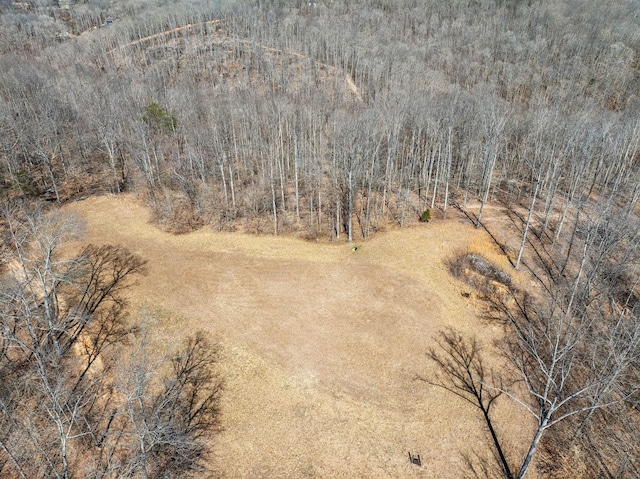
{"points": [[331, 119]]}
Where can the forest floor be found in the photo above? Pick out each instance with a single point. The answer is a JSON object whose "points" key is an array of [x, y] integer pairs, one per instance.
{"points": [[185, 42], [321, 345]]}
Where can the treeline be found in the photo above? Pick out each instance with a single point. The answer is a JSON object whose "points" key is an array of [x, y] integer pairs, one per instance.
{"points": [[333, 119]]}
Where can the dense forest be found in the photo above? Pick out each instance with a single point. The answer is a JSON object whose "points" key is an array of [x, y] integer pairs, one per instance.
{"points": [[336, 119]]}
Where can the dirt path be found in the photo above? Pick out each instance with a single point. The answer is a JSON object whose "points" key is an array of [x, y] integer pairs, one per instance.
{"points": [[166, 33], [350, 84], [321, 345]]}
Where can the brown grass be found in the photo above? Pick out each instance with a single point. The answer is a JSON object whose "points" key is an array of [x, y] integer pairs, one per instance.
{"points": [[320, 344]]}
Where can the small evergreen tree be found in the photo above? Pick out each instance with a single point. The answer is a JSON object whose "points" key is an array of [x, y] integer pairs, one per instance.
{"points": [[160, 118], [426, 216]]}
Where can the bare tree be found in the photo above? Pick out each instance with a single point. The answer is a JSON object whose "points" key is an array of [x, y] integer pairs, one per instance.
{"points": [[169, 415], [567, 370], [63, 323], [574, 349], [494, 122]]}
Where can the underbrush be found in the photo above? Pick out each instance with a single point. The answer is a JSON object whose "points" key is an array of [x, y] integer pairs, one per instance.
{"points": [[481, 274]]}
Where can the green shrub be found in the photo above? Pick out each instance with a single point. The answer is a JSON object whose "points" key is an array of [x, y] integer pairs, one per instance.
{"points": [[160, 118], [426, 216]]}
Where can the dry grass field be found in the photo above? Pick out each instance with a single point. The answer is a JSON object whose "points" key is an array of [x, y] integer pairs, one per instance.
{"points": [[320, 344]]}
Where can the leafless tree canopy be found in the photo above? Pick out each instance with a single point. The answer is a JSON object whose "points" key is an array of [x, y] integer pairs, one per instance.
{"points": [[330, 120], [70, 405], [571, 354]]}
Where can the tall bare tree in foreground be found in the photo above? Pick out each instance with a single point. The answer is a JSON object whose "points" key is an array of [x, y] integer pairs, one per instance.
{"points": [[572, 352], [563, 376], [63, 324]]}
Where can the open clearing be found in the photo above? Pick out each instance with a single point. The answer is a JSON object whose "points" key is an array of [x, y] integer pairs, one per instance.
{"points": [[321, 345]]}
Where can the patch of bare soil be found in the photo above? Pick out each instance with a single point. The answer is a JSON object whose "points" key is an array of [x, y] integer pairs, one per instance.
{"points": [[321, 344]]}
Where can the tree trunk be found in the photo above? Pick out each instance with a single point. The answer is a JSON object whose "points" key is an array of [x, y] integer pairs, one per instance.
{"points": [[526, 227], [448, 176], [485, 196], [533, 447], [350, 207], [54, 184]]}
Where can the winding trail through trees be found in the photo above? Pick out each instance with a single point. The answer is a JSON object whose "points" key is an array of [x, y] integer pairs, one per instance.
{"points": [[350, 83]]}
